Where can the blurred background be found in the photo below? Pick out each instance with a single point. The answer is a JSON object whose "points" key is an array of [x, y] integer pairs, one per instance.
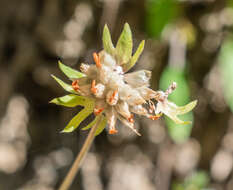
{"points": [[187, 41]]}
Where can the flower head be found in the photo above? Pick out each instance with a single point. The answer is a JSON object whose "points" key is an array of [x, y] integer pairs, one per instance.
{"points": [[106, 90]]}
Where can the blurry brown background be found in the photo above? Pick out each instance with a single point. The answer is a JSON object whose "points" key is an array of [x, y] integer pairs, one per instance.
{"points": [[34, 155]]}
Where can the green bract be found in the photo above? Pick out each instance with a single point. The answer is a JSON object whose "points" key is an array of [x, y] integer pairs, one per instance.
{"points": [[124, 45], [73, 100], [69, 72], [123, 50], [64, 85], [107, 41]]}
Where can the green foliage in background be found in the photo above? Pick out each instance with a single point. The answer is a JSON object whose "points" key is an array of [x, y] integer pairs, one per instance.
{"points": [[226, 68], [159, 13], [197, 181]]}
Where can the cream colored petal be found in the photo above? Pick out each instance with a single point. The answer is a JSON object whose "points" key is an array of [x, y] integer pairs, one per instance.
{"points": [[138, 78], [130, 95], [115, 80], [100, 89], [139, 109], [123, 108], [111, 116], [147, 93], [107, 59], [128, 124], [105, 74]]}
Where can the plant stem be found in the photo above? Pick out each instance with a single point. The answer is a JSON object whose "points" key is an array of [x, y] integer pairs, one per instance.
{"points": [[80, 157]]}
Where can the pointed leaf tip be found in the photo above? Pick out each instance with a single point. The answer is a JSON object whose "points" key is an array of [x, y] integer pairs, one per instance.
{"points": [[187, 108], [135, 57], [68, 130], [64, 85], [69, 72], [124, 45], [82, 115], [107, 41], [72, 100]]}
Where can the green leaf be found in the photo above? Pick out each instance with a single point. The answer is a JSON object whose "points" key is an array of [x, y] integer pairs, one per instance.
{"points": [[135, 57], [199, 179], [64, 85], [101, 126], [72, 100], [69, 72], [91, 124], [124, 45], [178, 121], [107, 41], [160, 13], [75, 122], [187, 108], [225, 64], [83, 114]]}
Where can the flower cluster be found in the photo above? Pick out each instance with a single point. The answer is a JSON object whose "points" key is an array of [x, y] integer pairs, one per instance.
{"points": [[107, 90]]}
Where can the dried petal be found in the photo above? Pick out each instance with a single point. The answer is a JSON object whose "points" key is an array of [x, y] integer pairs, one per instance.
{"points": [[111, 118], [138, 78], [130, 95], [128, 124], [139, 109], [147, 93], [123, 109]]}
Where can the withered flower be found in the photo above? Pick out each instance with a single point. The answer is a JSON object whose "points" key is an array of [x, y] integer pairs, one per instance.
{"points": [[107, 90]]}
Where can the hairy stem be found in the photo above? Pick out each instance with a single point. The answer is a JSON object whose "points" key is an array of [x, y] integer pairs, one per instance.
{"points": [[80, 157]]}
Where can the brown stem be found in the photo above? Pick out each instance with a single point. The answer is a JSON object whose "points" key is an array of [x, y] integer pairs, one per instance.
{"points": [[80, 157]]}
